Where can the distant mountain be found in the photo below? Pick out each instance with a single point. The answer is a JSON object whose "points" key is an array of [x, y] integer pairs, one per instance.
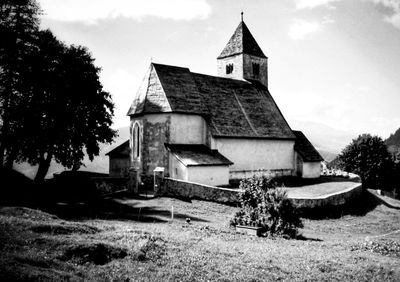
{"points": [[327, 140], [99, 164], [393, 142]]}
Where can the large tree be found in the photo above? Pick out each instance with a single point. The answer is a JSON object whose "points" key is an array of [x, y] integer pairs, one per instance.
{"points": [[19, 23], [368, 157], [67, 112]]}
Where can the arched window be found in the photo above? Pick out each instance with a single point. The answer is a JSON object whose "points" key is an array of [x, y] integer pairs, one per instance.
{"points": [[136, 140]]}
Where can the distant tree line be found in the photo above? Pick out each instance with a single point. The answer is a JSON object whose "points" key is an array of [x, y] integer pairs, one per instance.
{"points": [[52, 103], [368, 156], [394, 139]]}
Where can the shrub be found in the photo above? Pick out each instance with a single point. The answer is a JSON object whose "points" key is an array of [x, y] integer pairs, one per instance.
{"points": [[266, 206]]}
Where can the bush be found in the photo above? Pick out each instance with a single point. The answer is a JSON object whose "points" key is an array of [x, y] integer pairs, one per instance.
{"points": [[266, 206]]}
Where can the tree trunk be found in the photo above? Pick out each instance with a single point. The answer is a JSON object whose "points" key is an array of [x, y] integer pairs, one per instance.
{"points": [[4, 128], [43, 168], [10, 157]]}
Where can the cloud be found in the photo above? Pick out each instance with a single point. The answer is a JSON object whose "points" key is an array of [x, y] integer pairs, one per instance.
{"points": [[309, 4], [122, 85], [393, 5], [300, 28], [91, 11]]}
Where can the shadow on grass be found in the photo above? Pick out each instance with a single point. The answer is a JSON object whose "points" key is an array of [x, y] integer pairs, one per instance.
{"points": [[358, 206], [75, 198], [303, 238], [121, 208]]}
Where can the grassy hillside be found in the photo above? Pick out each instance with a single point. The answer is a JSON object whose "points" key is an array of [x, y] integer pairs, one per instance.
{"points": [[99, 164], [133, 240]]}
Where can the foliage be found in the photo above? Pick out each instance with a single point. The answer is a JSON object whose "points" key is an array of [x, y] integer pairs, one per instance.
{"points": [[67, 110], [253, 188], [52, 100], [19, 22], [368, 157], [394, 139], [335, 164], [266, 206]]}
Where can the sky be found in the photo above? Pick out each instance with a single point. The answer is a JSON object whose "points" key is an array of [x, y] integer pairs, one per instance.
{"points": [[333, 62]]}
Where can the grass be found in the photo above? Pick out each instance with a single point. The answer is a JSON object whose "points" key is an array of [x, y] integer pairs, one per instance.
{"points": [[137, 241]]}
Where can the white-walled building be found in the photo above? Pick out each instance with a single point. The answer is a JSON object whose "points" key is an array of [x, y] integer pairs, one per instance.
{"points": [[210, 129]]}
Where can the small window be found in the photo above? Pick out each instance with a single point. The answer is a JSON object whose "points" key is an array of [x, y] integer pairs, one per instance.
{"points": [[256, 69], [229, 68]]}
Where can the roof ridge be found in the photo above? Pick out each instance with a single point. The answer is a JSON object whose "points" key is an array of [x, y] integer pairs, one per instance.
{"points": [[171, 66]]}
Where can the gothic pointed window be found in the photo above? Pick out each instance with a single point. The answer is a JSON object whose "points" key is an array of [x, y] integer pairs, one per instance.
{"points": [[136, 140]]}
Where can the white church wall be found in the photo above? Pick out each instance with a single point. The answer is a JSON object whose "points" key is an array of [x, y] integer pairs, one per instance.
{"points": [[187, 129], [254, 154], [209, 175], [311, 169], [177, 170], [236, 61]]}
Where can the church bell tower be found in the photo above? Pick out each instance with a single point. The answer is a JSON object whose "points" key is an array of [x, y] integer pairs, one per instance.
{"points": [[242, 58]]}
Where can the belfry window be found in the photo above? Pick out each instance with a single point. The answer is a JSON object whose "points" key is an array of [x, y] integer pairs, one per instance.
{"points": [[136, 140], [256, 69], [229, 68]]}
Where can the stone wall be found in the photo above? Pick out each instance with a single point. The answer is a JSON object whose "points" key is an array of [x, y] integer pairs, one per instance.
{"points": [[240, 174], [119, 166], [248, 61], [109, 185], [190, 190], [335, 199], [154, 133]]}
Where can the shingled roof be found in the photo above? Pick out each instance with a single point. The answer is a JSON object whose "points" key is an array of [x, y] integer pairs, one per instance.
{"points": [[233, 108], [197, 155], [121, 150], [304, 147], [242, 41]]}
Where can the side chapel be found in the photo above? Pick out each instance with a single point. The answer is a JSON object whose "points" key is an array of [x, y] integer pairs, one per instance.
{"points": [[211, 129]]}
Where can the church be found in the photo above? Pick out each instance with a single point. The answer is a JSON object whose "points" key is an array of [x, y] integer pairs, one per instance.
{"points": [[214, 129]]}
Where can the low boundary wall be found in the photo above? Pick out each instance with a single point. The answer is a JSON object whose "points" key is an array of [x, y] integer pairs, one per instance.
{"points": [[109, 185], [191, 190], [334, 199]]}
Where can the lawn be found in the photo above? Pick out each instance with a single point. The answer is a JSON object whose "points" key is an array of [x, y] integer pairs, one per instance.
{"points": [[136, 240]]}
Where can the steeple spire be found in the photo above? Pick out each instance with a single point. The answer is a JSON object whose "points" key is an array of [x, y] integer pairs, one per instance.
{"points": [[242, 57], [242, 41]]}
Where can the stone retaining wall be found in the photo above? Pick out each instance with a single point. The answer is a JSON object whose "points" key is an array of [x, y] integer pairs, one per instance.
{"points": [[334, 199], [109, 185], [184, 189]]}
